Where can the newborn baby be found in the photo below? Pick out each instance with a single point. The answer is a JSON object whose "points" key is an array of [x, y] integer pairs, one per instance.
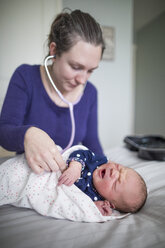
{"points": [[105, 184], [108, 184]]}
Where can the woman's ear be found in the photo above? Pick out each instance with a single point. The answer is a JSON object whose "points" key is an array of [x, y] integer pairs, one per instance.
{"points": [[52, 48]]}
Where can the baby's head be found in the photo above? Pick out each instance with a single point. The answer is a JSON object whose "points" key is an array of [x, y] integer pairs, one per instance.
{"points": [[123, 187]]}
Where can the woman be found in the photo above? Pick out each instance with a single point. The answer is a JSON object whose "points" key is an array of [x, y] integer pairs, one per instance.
{"points": [[34, 119]]}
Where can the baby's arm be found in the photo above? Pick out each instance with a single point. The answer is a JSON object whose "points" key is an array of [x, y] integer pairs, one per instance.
{"points": [[71, 174], [104, 207]]}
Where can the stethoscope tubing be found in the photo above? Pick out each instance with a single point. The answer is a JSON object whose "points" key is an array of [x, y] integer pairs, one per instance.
{"points": [[70, 104]]}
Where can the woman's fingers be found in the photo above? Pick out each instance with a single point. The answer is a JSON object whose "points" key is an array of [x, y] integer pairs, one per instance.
{"points": [[41, 151], [50, 161], [44, 165], [58, 159], [36, 168]]}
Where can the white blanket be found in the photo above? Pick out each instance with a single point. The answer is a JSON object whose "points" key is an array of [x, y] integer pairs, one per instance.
{"points": [[21, 187]]}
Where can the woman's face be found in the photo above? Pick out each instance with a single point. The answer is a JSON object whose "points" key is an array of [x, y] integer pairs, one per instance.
{"points": [[73, 68]]}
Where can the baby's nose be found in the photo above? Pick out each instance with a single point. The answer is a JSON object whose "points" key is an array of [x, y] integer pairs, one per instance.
{"points": [[115, 174]]}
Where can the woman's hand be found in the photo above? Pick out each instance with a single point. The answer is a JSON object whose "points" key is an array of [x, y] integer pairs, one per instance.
{"points": [[41, 152], [70, 175]]}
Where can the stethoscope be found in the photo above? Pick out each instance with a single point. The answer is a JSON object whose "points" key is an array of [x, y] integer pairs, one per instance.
{"points": [[70, 104]]}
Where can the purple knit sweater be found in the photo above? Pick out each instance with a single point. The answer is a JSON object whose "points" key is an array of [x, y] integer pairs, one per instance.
{"points": [[28, 104]]}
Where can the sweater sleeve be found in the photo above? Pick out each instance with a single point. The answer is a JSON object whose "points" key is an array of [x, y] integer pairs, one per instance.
{"points": [[90, 159], [91, 139], [12, 128]]}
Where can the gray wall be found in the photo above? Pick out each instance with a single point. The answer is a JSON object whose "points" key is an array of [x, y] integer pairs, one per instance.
{"points": [[150, 78]]}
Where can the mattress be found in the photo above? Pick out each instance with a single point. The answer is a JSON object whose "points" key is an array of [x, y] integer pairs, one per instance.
{"points": [[20, 227]]}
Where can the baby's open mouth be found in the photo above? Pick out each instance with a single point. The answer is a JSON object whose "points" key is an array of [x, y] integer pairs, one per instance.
{"points": [[103, 173], [106, 172]]}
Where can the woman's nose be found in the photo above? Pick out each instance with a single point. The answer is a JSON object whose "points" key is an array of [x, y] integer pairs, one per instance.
{"points": [[81, 77]]}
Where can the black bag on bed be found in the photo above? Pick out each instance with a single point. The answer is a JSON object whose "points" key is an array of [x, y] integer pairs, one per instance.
{"points": [[149, 147]]}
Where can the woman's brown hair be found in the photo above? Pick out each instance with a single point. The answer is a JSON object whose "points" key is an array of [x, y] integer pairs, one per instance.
{"points": [[68, 28]]}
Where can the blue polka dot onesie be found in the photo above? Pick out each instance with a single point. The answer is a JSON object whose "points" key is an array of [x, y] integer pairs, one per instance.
{"points": [[90, 161]]}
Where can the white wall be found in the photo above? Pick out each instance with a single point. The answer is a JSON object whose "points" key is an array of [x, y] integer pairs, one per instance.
{"points": [[24, 26], [113, 79]]}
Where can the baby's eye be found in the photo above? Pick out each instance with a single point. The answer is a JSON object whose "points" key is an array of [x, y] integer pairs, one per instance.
{"points": [[119, 179], [114, 185]]}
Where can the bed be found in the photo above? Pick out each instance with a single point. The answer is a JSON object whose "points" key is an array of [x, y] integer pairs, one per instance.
{"points": [[21, 227]]}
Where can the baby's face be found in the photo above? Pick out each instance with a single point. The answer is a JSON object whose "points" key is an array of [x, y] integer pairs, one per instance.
{"points": [[115, 182]]}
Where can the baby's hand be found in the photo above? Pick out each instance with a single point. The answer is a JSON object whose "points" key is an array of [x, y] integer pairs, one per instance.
{"points": [[70, 175], [104, 207]]}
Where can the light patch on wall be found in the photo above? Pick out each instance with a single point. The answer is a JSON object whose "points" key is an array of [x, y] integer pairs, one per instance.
{"points": [[109, 38]]}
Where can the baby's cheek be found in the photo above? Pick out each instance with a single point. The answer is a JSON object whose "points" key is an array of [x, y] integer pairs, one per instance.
{"points": [[107, 184], [104, 188]]}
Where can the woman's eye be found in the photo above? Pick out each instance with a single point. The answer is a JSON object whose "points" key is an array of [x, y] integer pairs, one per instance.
{"points": [[74, 67]]}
